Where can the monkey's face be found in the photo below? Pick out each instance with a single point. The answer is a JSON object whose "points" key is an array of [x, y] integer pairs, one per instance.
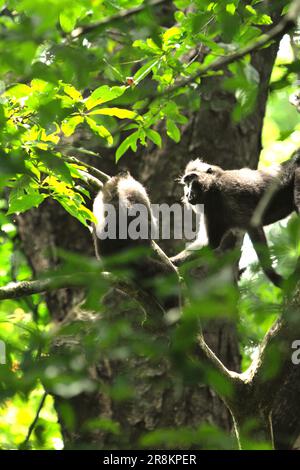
{"points": [[199, 178]]}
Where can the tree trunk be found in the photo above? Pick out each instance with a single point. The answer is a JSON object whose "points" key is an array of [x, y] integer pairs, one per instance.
{"points": [[210, 134]]}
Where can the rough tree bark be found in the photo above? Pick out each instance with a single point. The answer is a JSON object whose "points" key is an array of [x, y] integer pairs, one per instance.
{"points": [[210, 133]]}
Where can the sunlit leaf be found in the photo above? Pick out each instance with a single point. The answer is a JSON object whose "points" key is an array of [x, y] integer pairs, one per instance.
{"points": [[172, 130], [130, 141], [100, 130], [145, 70], [56, 165], [117, 112], [72, 92], [103, 94], [69, 125], [69, 16], [172, 34], [19, 91], [76, 209]]}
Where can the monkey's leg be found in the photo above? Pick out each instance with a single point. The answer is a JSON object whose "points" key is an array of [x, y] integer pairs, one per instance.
{"points": [[258, 238], [95, 240], [297, 190]]}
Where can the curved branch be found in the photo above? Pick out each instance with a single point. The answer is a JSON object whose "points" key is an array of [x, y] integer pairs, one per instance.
{"points": [[119, 16], [216, 364], [276, 346], [90, 182], [103, 177]]}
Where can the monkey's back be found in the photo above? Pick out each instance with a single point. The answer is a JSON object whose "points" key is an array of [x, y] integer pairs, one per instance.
{"points": [[122, 193], [241, 190], [283, 200]]}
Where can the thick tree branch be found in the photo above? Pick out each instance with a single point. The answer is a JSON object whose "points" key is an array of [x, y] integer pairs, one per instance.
{"points": [[14, 290], [276, 346]]}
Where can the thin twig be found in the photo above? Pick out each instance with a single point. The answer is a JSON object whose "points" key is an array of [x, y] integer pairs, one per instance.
{"points": [[103, 177], [83, 30], [33, 424], [90, 182]]}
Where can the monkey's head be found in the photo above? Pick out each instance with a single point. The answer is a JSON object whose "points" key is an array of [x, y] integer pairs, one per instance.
{"points": [[124, 189], [126, 198], [199, 178]]}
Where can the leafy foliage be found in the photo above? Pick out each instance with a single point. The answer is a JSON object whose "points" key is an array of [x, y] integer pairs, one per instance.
{"points": [[98, 70], [52, 64]]}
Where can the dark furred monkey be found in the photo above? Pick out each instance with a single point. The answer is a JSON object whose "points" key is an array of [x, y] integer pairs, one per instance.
{"points": [[230, 198]]}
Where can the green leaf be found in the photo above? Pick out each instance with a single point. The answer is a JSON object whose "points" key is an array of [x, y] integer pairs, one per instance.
{"points": [[18, 91], [145, 70], [118, 112], [148, 46], [154, 136], [23, 202], [263, 19], [244, 84], [100, 130], [69, 16], [173, 131], [11, 164], [171, 35], [171, 111], [229, 24], [56, 165], [130, 141], [72, 92], [69, 125], [199, 20], [103, 94], [76, 208]]}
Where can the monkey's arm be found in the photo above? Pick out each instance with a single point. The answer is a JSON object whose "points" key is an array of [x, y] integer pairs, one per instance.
{"points": [[184, 256], [258, 238], [229, 242]]}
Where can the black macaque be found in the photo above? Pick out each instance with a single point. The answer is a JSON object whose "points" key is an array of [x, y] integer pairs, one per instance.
{"points": [[231, 199]]}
